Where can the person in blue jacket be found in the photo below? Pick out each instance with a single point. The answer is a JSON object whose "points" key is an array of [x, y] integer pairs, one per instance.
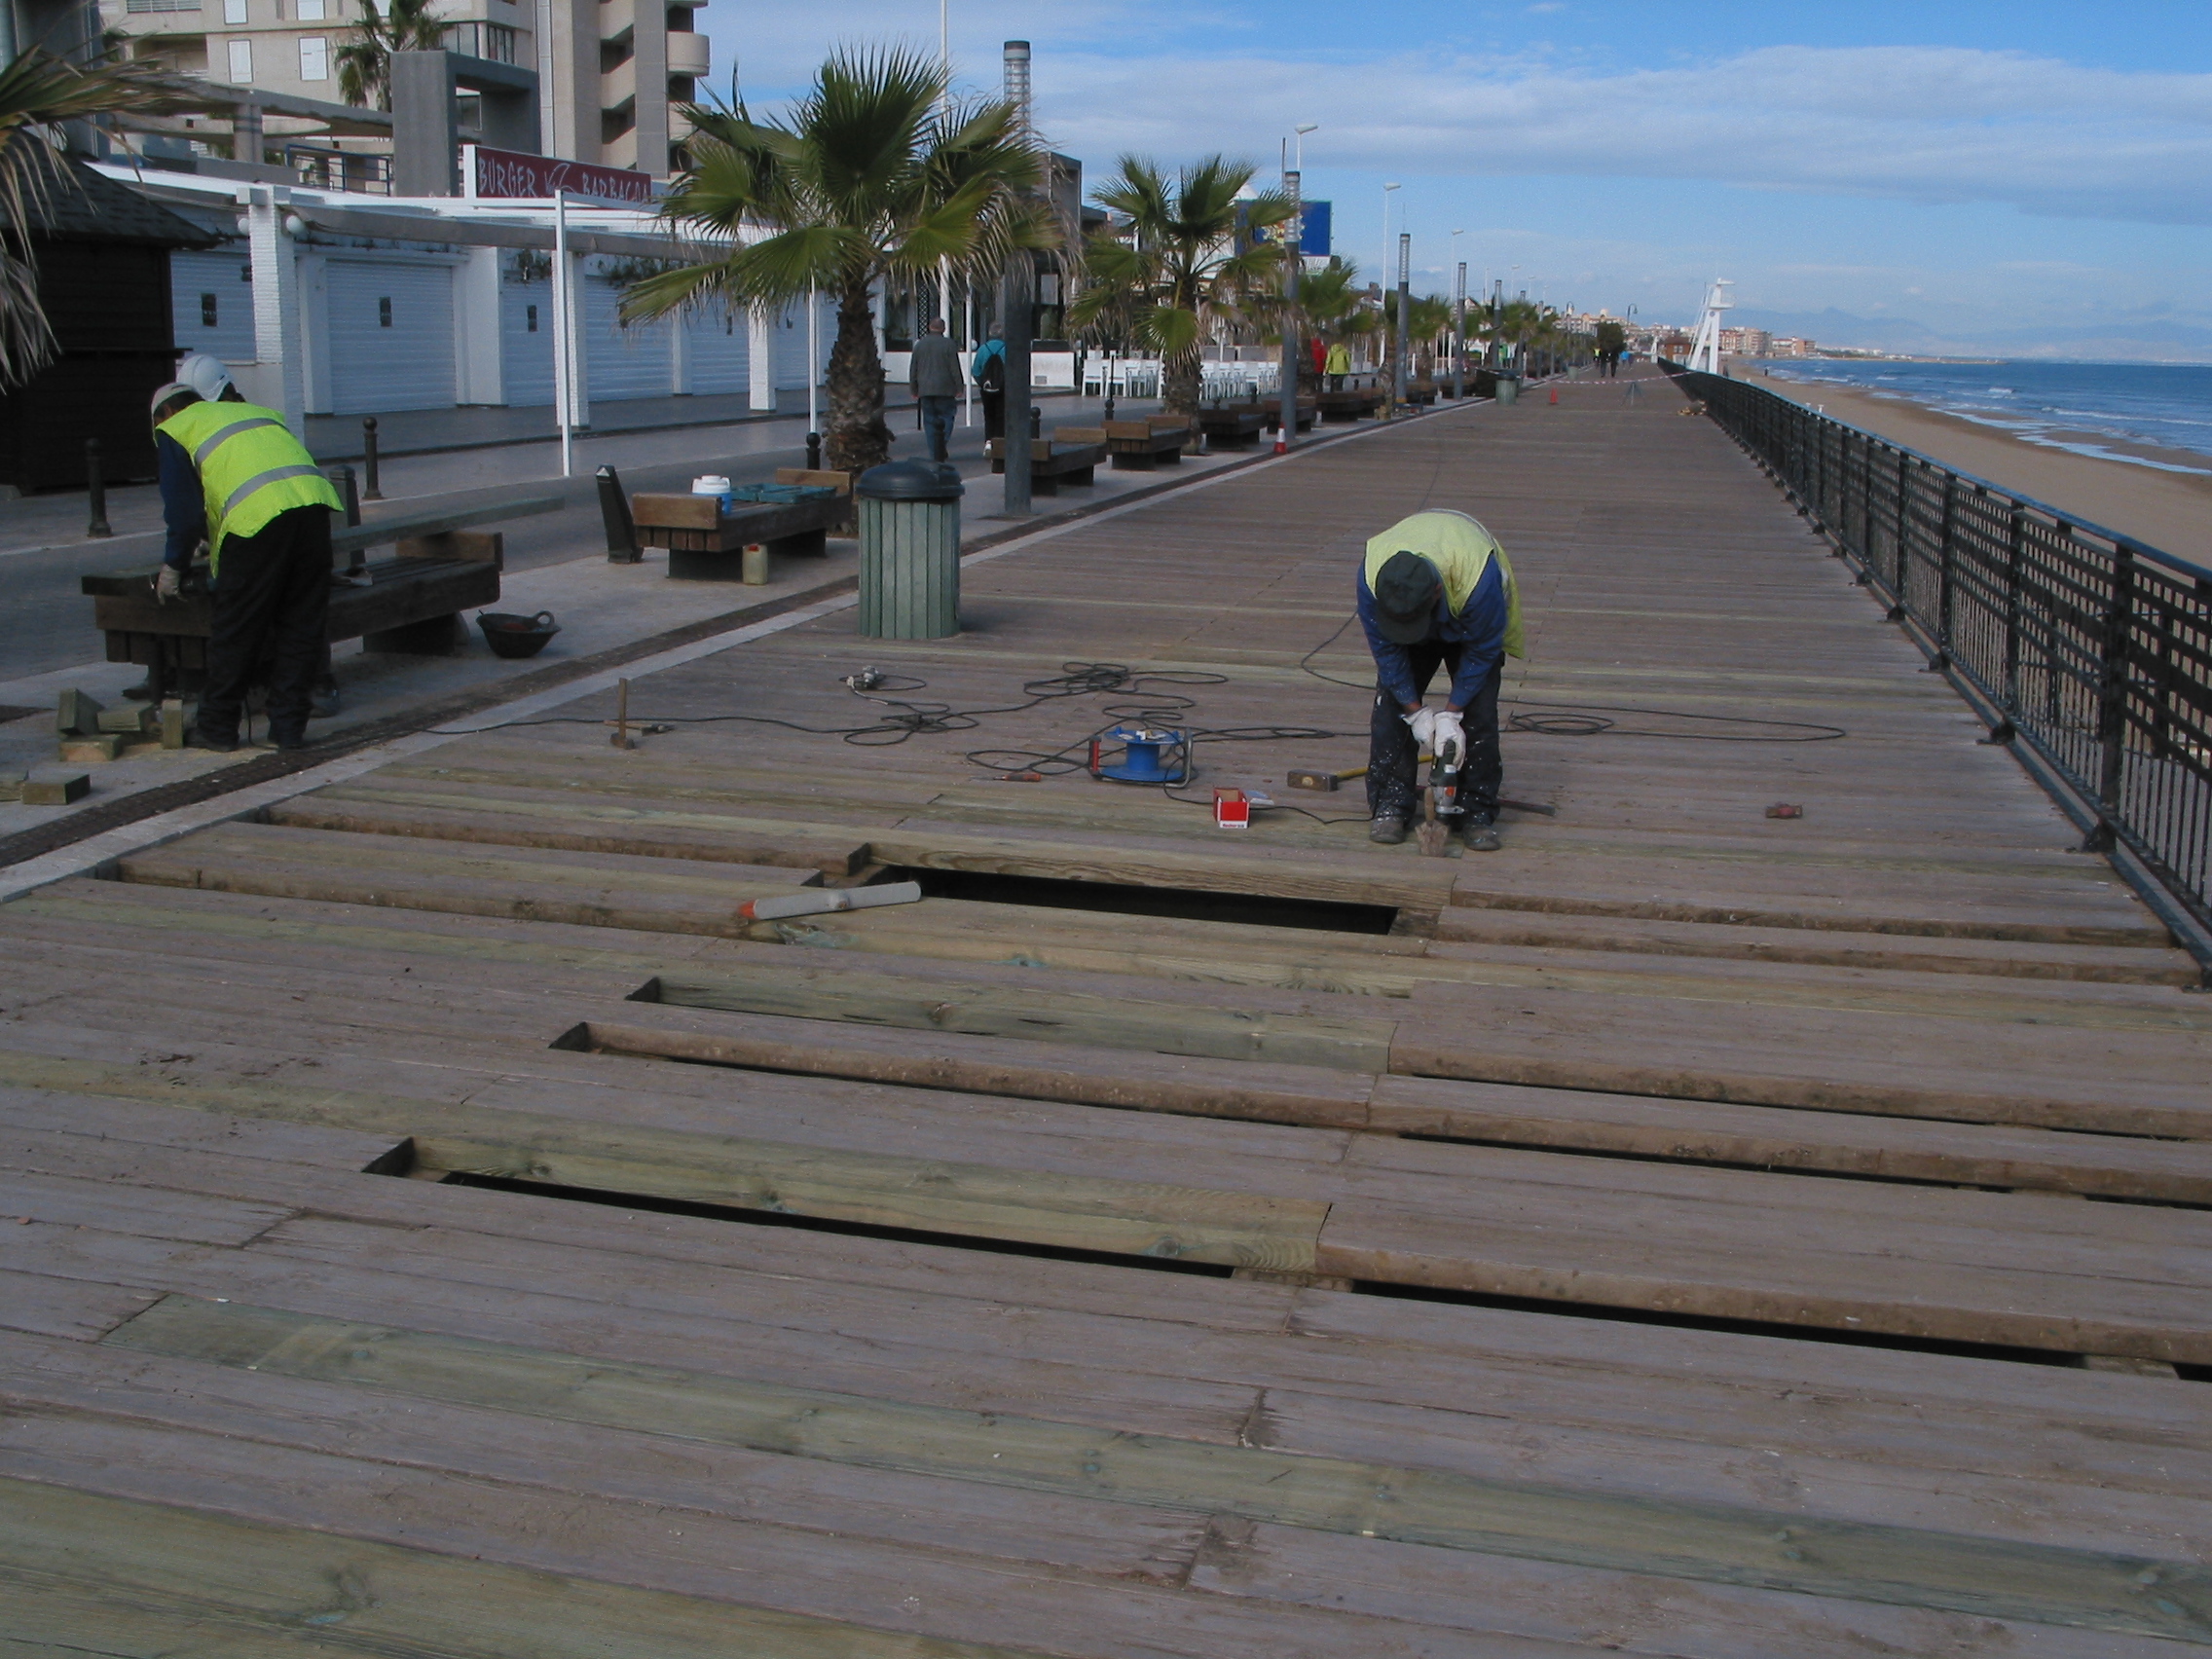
{"points": [[1436, 591]]}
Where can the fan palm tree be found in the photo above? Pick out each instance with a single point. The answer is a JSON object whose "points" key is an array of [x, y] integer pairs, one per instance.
{"points": [[365, 61], [1177, 266], [871, 176], [38, 92]]}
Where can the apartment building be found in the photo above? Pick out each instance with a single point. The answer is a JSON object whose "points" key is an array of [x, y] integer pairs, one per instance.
{"points": [[608, 73]]}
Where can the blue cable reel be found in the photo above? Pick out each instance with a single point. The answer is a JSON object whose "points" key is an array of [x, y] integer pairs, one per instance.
{"points": [[1145, 755]]}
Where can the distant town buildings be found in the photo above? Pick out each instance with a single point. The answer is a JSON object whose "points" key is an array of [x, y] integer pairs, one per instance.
{"points": [[1791, 345]]}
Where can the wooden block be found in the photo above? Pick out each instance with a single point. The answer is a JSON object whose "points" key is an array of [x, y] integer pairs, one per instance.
{"points": [[175, 716], [78, 716], [55, 789], [133, 721], [676, 511], [76, 751], [473, 546], [11, 784]]}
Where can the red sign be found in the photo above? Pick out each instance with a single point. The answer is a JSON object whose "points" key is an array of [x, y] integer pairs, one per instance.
{"points": [[507, 174]]}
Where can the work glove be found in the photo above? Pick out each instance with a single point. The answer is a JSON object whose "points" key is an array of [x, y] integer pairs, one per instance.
{"points": [[168, 583], [1446, 732], [1423, 722]]}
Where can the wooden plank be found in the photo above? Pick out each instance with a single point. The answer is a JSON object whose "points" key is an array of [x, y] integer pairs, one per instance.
{"points": [[96, 1573], [2005, 958], [589, 823], [72, 1309], [1898, 1566], [962, 1199], [1053, 1015]]}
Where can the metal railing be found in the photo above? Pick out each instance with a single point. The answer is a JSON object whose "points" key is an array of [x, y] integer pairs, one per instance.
{"points": [[2089, 648]]}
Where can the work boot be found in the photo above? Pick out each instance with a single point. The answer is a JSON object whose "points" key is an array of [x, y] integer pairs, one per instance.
{"points": [[293, 744], [198, 739], [1480, 835], [1386, 832]]}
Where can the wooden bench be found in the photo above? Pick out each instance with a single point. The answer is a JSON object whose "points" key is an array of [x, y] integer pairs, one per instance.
{"points": [[1069, 457], [705, 544], [826, 478], [1139, 446], [411, 602], [1232, 425], [1352, 404], [1422, 392], [1304, 412]]}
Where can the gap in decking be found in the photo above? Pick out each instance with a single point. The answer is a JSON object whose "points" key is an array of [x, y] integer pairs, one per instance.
{"points": [[826, 1224], [741, 1216], [1182, 903]]}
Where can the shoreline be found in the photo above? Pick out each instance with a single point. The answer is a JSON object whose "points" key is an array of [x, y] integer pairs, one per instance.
{"points": [[2161, 496]]}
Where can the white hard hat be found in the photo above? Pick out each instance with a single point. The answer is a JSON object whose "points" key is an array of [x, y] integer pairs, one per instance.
{"points": [[175, 389], [205, 375]]}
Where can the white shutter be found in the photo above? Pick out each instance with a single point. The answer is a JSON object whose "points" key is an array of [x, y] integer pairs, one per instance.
{"points": [[790, 333], [405, 365], [622, 362], [720, 347], [526, 353], [195, 281], [241, 62]]}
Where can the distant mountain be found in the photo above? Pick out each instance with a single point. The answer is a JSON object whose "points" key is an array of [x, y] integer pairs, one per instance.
{"points": [[2146, 340]]}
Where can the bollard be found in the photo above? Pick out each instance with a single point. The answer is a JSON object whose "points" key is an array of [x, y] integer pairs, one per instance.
{"points": [[95, 489], [371, 490], [814, 451], [1036, 422], [341, 480]]}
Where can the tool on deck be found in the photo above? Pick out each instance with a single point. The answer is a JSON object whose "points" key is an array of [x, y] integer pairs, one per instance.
{"points": [[622, 738], [814, 901], [1441, 797], [1330, 782], [1145, 755]]}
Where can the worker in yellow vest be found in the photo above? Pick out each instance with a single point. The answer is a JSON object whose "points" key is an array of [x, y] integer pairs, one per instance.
{"points": [[231, 475]]}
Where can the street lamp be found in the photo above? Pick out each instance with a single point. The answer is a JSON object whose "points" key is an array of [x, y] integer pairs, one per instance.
{"points": [[1459, 321], [1301, 131], [1383, 271]]}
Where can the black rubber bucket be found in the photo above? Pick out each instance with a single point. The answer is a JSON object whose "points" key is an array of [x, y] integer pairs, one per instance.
{"points": [[512, 635]]}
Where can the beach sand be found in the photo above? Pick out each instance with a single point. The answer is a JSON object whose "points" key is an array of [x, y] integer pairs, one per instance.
{"points": [[2172, 511]]}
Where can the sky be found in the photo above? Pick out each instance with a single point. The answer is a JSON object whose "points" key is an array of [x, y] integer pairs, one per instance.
{"points": [[2010, 179]]}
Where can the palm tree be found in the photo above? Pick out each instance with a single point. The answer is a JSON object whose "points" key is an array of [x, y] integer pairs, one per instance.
{"points": [[38, 92], [364, 62], [873, 176], [1177, 266]]}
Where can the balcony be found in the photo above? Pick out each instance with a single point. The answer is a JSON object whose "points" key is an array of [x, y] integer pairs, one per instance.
{"points": [[689, 55], [620, 85]]}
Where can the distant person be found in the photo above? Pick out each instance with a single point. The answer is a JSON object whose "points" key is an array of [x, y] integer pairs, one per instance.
{"points": [[1338, 365], [988, 369], [933, 375], [1318, 350], [1435, 591], [233, 476]]}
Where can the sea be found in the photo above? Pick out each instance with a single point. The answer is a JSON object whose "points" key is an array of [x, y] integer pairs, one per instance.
{"points": [[2068, 406]]}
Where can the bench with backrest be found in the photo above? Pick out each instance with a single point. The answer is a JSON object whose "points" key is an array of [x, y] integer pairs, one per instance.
{"points": [[1353, 403], [1069, 457], [440, 565]]}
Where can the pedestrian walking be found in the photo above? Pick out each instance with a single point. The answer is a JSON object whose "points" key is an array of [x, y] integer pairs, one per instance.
{"points": [[988, 368], [933, 375]]}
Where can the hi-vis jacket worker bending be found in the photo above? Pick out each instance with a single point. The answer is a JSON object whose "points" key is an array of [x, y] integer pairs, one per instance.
{"points": [[1436, 591], [234, 476]]}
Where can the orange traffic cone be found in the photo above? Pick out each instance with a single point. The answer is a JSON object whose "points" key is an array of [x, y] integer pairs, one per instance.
{"points": [[1555, 394]]}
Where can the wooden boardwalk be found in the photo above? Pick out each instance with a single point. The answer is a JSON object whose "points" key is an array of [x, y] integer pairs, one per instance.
{"points": [[441, 1225]]}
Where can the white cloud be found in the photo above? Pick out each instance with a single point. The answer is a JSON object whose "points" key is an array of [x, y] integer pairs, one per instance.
{"points": [[1932, 125]]}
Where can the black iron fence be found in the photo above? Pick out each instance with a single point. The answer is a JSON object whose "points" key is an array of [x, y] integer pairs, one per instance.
{"points": [[2089, 648]]}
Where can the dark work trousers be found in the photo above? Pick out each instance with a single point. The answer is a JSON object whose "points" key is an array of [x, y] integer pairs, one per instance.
{"points": [[937, 425], [994, 412], [1393, 759], [272, 597]]}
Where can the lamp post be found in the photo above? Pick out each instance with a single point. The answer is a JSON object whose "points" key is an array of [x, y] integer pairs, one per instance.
{"points": [[1382, 270], [1292, 235], [1401, 381], [1459, 322]]}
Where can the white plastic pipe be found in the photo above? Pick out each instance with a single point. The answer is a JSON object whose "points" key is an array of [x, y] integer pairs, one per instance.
{"points": [[815, 901]]}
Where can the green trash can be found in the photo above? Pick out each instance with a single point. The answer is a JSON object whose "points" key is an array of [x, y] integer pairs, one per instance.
{"points": [[1509, 389], [909, 521]]}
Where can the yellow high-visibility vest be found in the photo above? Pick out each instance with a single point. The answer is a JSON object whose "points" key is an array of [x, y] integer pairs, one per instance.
{"points": [[1461, 550], [250, 467]]}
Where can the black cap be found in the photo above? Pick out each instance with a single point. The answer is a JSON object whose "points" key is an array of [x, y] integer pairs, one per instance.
{"points": [[1406, 592]]}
